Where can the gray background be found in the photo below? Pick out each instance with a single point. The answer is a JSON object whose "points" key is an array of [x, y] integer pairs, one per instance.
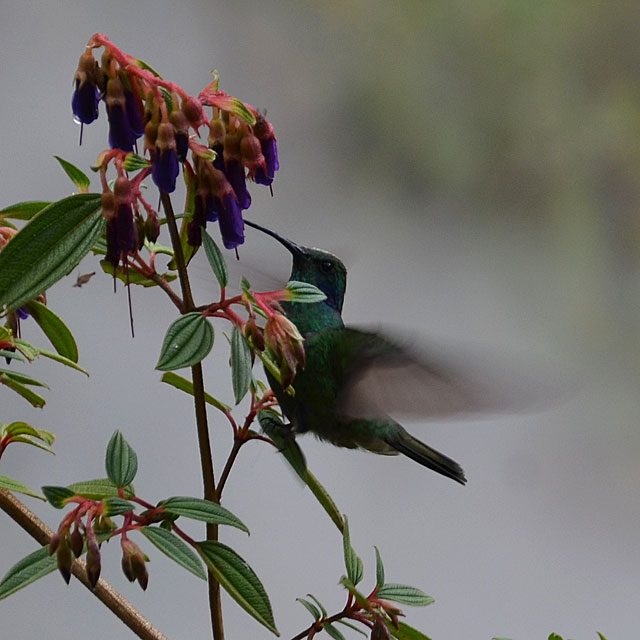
{"points": [[477, 170]]}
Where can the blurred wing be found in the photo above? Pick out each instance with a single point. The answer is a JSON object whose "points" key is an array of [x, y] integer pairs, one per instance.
{"points": [[386, 377]]}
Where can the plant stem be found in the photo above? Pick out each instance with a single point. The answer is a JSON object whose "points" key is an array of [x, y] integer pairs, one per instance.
{"points": [[103, 590], [204, 442]]}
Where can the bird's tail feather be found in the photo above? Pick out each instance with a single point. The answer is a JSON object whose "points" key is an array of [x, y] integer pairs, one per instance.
{"points": [[405, 443]]}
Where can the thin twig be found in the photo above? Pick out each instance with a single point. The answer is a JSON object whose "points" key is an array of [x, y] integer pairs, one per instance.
{"points": [[103, 590]]}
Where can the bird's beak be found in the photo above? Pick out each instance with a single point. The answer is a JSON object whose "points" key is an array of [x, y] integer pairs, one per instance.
{"points": [[296, 250]]}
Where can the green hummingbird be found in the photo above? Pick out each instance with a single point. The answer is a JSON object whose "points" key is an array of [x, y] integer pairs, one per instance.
{"points": [[346, 387]]}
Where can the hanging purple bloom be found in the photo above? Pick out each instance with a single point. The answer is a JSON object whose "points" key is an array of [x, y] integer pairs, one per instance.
{"points": [[84, 102], [181, 125], [165, 169], [134, 114], [263, 130], [231, 223], [235, 175], [121, 135]]}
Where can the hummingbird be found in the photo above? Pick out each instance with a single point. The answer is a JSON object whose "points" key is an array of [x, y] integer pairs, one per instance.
{"points": [[350, 379]]}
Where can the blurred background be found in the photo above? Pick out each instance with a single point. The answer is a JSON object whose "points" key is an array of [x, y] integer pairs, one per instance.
{"points": [[477, 167]]}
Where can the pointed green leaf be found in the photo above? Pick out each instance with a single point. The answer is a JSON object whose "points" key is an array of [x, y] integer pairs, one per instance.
{"points": [[99, 489], [134, 162], [204, 510], [56, 330], [239, 580], [78, 178], [320, 605], [284, 439], [25, 429], [121, 461], [554, 636], [22, 378], [600, 636], [187, 341], [23, 210], [353, 564], [28, 570], [143, 65], [404, 595], [176, 549], [304, 292], [187, 386], [240, 364], [57, 496], [32, 397], [323, 497], [55, 356], [13, 485], [48, 247], [216, 261], [379, 569], [11, 355], [130, 276], [117, 506], [352, 626], [335, 633], [311, 608], [405, 632]]}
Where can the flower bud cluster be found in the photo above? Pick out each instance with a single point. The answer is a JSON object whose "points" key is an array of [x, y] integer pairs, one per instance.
{"points": [[134, 562], [68, 542], [241, 142], [285, 344]]}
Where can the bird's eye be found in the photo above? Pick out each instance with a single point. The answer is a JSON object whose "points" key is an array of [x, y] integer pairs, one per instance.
{"points": [[326, 266]]}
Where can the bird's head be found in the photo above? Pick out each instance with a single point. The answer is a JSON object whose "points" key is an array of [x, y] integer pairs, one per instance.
{"points": [[315, 266]]}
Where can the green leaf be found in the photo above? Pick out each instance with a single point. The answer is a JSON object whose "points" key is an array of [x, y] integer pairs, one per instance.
{"points": [[133, 162], [99, 489], [311, 608], [320, 605], [187, 341], [143, 65], [36, 400], [130, 276], [56, 330], [404, 594], [25, 429], [187, 386], [28, 570], [284, 439], [121, 461], [204, 510], [554, 636], [352, 626], [78, 178], [57, 496], [379, 569], [323, 497], [176, 549], [239, 580], [117, 506], [353, 564], [13, 485], [55, 356], [48, 247], [600, 636], [240, 364], [11, 355], [335, 633], [23, 210], [405, 632], [304, 292], [23, 378], [214, 256]]}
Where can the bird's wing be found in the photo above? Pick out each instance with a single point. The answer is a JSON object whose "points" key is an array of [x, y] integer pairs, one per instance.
{"points": [[381, 376]]}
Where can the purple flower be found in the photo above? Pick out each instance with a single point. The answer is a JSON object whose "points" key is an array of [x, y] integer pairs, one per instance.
{"points": [[23, 314], [165, 169], [136, 125], [84, 102], [235, 175], [231, 223], [120, 134], [270, 153]]}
